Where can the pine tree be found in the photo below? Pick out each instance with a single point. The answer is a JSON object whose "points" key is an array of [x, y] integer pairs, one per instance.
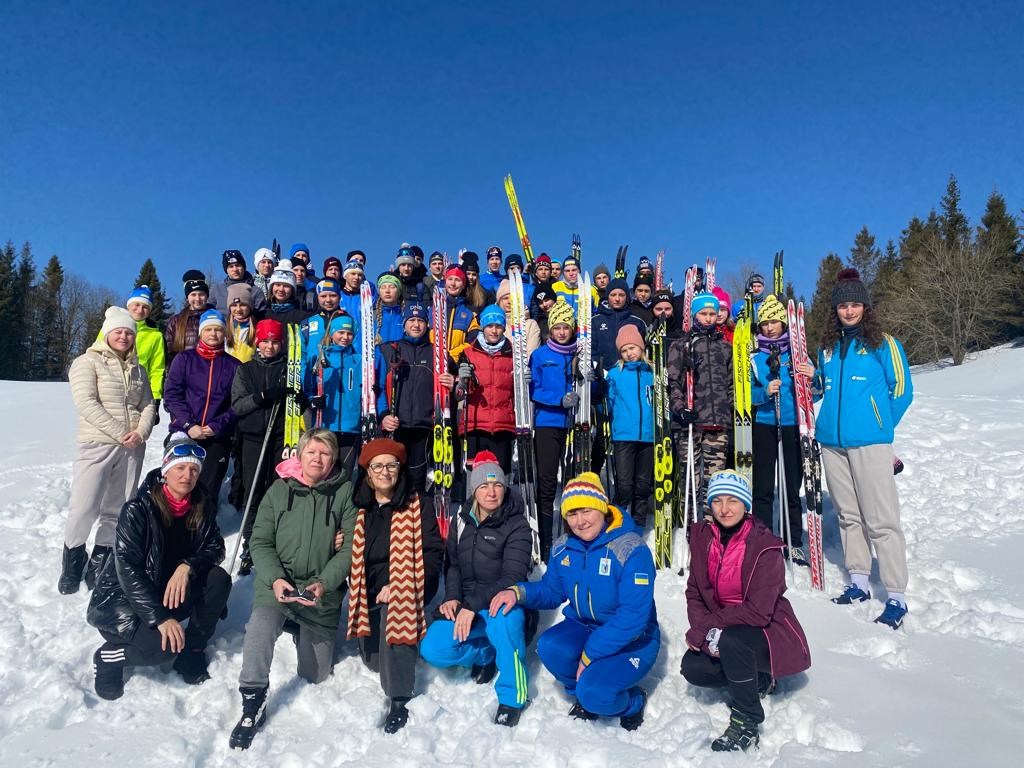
{"points": [[821, 305], [7, 309], [865, 257], [25, 327], [161, 306], [999, 233], [50, 320], [953, 224]]}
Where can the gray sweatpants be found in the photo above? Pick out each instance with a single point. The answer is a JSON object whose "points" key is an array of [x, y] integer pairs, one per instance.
{"points": [[863, 491], [316, 649], [103, 478]]}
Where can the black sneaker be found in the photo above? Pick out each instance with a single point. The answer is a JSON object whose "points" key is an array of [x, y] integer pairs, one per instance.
{"points": [[254, 715], [740, 735], [397, 716], [71, 569], [191, 665], [507, 716], [579, 713], [634, 721], [483, 673], [108, 665], [96, 562], [245, 561]]}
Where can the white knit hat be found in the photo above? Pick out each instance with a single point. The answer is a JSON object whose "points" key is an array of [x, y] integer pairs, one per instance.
{"points": [[729, 483], [262, 254], [283, 274], [117, 317]]}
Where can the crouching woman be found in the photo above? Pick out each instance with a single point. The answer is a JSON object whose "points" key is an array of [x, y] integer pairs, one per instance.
{"points": [[743, 633], [610, 638]]}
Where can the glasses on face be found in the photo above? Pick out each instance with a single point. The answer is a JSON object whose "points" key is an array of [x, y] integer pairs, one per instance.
{"points": [[379, 468]]}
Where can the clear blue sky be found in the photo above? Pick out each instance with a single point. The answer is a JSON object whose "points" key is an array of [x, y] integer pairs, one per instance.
{"points": [[176, 130]]}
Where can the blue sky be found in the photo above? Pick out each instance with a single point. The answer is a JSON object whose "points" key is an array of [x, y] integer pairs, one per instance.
{"points": [[176, 130]]}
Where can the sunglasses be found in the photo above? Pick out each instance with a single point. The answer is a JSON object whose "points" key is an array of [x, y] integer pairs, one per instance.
{"points": [[188, 449]]}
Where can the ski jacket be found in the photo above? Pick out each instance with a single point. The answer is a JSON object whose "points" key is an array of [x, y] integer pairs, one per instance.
{"points": [[219, 293], [631, 402], [462, 325], [865, 393], [314, 331], [112, 396], [240, 348], [762, 583], [711, 359], [189, 318], [645, 313], [763, 404], [485, 558], [607, 323], [413, 289], [252, 378], [198, 391], [295, 315], [293, 539], [490, 405], [571, 295], [414, 361], [129, 589], [551, 378], [387, 321], [343, 385], [609, 584]]}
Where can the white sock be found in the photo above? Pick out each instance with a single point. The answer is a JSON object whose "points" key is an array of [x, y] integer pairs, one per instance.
{"points": [[899, 597], [860, 580]]}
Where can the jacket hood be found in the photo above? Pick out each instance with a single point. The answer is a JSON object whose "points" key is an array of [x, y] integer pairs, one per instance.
{"points": [[290, 470]]}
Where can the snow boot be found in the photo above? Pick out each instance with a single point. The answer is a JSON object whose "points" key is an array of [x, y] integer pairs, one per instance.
{"points": [[245, 561], [893, 614], [97, 560], [799, 557], [740, 735], [191, 665], [254, 715], [507, 716], [484, 673], [634, 721], [108, 665], [397, 716], [851, 594], [71, 569], [579, 713]]}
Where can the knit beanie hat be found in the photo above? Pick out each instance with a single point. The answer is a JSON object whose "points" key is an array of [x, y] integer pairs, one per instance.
{"points": [[492, 315], [513, 260], [405, 257], [601, 269], [771, 309], [494, 251], [142, 295], [378, 447], [342, 322], [724, 302], [662, 296], [417, 252], [414, 310], [628, 334], [117, 317], [240, 293], [619, 284], [182, 449], [327, 285], [299, 248], [486, 469], [194, 280], [561, 314], [470, 257], [458, 271], [755, 278], [543, 259], [643, 280], [388, 279], [231, 257], [283, 274], [262, 254], [849, 287], [300, 259], [331, 261], [269, 329], [211, 318], [584, 492], [728, 483], [571, 261], [543, 291], [703, 300], [644, 263], [436, 256], [504, 289], [354, 265], [356, 254]]}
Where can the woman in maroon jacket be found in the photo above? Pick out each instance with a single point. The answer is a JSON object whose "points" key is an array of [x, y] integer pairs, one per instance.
{"points": [[743, 633]]}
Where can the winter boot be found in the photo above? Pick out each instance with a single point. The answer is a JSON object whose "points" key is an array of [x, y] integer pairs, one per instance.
{"points": [[741, 734], [483, 673], [71, 569], [254, 715], [507, 716], [799, 557], [579, 713], [851, 594], [191, 665], [245, 561], [634, 721], [893, 614], [108, 664], [397, 716], [97, 560]]}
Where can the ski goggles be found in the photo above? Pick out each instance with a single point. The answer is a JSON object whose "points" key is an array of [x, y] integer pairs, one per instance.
{"points": [[181, 450]]}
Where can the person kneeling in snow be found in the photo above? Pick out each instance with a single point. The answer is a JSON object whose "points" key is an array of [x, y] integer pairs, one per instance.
{"points": [[489, 550], [743, 633], [165, 568], [610, 638]]}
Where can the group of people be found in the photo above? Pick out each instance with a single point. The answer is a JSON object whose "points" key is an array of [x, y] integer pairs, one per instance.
{"points": [[342, 515]]}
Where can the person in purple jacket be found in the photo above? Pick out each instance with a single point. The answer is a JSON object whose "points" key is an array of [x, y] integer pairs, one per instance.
{"points": [[743, 633], [197, 394]]}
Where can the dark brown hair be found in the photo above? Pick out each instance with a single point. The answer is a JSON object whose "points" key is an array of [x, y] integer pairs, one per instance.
{"points": [[871, 330], [194, 516]]}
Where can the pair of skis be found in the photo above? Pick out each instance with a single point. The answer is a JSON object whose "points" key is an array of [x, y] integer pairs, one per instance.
{"points": [[368, 406], [523, 408], [664, 459], [293, 424], [742, 341], [620, 263], [443, 445], [582, 439], [690, 512], [517, 214]]}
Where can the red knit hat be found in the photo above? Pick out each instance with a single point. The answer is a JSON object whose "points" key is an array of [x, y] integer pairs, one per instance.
{"points": [[269, 329], [378, 447], [457, 270]]}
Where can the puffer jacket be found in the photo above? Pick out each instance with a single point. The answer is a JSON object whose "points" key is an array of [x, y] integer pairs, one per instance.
{"points": [[252, 378], [490, 401], [551, 378], [711, 359], [129, 592], [631, 402], [485, 558], [343, 386], [112, 396], [198, 391], [414, 362]]}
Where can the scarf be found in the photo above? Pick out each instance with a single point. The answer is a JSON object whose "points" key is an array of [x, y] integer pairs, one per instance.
{"points": [[764, 344], [278, 307], [178, 508], [406, 620], [207, 352], [490, 349], [562, 349]]}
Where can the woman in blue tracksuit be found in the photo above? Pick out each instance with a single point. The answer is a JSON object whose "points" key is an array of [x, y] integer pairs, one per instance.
{"points": [[630, 386], [863, 381], [338, 407], [609, 639], [767, 384]]}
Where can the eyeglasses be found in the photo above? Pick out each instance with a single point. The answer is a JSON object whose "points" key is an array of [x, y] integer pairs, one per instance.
{"points": [[188, 449], [391, 467]]}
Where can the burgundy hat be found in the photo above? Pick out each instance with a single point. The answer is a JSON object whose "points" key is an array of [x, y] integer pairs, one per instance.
{"points": [[379, 447]]}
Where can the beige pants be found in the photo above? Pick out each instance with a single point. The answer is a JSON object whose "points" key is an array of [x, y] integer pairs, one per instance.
{"points": [[103, 478], [863, 491]]}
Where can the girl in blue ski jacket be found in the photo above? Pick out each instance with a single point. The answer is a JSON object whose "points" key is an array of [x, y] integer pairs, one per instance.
{"points": [[338, 408], [387, 310], [864, 383], [609, 639], [767, 383], [630, 387]]}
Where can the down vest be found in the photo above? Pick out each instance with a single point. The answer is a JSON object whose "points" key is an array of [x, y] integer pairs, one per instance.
{"points": [[112, 396], [490, 401]]}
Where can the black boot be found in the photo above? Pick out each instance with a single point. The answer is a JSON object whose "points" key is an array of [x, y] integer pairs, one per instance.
{"points": [[741, 734], [245, 561], [397, 717], [254, 715], [191, 665], [507, 716], [71, 569], [483, 673], [108, 664], [579, 713], [97, 560], [634, 721]]}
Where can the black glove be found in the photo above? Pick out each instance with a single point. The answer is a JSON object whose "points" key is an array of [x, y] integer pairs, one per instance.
{"points": [[318, 402], [156, 418], [688, 416], [461, 392], [271, 396], [300, 398]]}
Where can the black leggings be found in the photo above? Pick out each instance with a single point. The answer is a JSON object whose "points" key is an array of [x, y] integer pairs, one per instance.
{"points": [[549, 447], [743, 666], [766, 452], [634, 479]]}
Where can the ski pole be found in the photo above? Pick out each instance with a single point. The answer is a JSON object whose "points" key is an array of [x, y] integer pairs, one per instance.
{"points": [[255, 479]]}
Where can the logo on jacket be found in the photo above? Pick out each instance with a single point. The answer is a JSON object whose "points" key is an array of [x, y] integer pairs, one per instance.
{"points": [[641, 579], [635, 662], [565, 561]]}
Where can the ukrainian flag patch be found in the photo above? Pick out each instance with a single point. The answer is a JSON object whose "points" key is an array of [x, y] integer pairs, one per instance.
{"points": [[641, 579]]}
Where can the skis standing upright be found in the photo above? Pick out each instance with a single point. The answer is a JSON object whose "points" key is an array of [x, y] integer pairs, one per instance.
{"points": [[443, 446], [517, 214], [709, 273], [690, 512], [293, 425], [743, 441], [368, 406], [778, 281], [523, 408], [664, 460], [620, 262], [810, 451], [659, 271], [582, 437]]}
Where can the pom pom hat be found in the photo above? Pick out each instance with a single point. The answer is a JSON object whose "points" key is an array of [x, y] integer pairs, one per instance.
{"points": [[486, 469], [850, 288], [772, 309]]}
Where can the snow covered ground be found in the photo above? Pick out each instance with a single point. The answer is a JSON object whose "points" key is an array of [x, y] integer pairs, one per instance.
{"points": [[945, 691]]}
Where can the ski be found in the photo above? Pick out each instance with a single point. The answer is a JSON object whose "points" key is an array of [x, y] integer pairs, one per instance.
{"points": [[368, 421], [443, 449], [523, 409], [620, 262], [778, 282], [690, 512], [293, 381], [709, 273], [664, 460], [659, 271], [582, 437], [743, 458], [517, 214]]}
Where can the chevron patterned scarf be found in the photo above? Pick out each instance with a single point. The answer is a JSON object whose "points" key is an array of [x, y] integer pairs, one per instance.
{"points": [[406, 621]]}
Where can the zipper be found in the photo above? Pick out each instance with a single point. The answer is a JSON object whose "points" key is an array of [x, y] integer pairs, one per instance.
{"points": [[640, 408], [839, 404]]}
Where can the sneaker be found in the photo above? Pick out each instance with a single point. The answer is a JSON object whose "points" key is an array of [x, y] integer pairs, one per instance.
{"points": [[507, 716], [797, 555], [483, 673], [191, 665], [579, 713], [245, 561], [893, 614], [634, 721], [852, 594], [740, 735], [254, 715], [397, 716], [108, 665]]}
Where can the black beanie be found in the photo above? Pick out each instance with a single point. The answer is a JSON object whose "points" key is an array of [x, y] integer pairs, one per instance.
{"points": [[194, 280], [644, 279], [849, 287], [231, 257]]}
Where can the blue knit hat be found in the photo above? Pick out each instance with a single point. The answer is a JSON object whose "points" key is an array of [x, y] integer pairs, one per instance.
{"points": [[142, 294], [703, 300], [492, 315], [644, 263], [353, 265], [415, 310], [343, 322], [327, 285], [298, 247], [729, 483], [211, 317]]}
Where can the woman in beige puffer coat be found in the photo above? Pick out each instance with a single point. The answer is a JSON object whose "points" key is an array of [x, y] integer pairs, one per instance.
{"points": [[115, 416]]}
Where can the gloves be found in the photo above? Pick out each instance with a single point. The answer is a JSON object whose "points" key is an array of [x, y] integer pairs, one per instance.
{"points": [[460, 392], [156, 418], [527, 376], [318, 402], [586, 374], [570, 400], [465, 373], [271, 396], [300, 399], [713, 636], [688, 416]]}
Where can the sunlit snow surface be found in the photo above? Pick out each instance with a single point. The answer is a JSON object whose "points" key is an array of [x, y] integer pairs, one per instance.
{"points": [[945, 691]]}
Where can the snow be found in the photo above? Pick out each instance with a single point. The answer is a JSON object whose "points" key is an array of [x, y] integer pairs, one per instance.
{"points": [[944, 691]]}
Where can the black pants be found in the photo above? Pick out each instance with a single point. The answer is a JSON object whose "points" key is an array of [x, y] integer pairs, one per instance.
{"points": [[203, 606], [498, 443], [348, 450], [396, 664], [743, 666], [634, 479], [549, 446], [249, 457], [598, 444], [419, 449], [766, 453]]}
